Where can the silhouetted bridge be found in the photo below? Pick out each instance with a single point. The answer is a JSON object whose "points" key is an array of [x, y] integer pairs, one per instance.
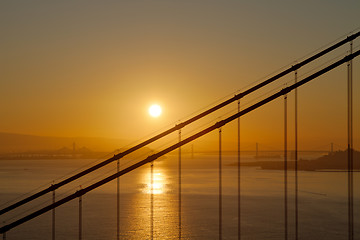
{"points": [[346, 58]]}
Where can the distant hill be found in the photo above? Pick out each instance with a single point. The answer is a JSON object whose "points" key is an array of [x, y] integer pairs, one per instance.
{"points": [[334, 161], [13, 143]]}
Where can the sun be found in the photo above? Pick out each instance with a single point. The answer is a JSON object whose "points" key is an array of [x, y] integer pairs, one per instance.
{"points": [[155, 110]]}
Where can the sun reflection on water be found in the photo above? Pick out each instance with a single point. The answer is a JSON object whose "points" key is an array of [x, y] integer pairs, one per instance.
{"points": [[158, 185], [164, 215]]}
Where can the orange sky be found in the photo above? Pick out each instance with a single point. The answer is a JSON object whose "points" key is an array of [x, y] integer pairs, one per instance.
{"points": [[92, 69]]}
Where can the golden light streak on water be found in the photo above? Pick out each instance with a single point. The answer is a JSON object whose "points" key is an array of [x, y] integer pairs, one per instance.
{"points": [[158, 185]]}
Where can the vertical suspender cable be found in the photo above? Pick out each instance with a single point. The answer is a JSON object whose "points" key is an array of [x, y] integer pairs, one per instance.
{"points": [[4, 233], [350, 150], [351, 144], [296, 163], [80, 217], [220, 188], [180, 186], [152, 200], [192, 151], [239, 209], [256, 150], [285, 168], [53, 216], [118, 201]]}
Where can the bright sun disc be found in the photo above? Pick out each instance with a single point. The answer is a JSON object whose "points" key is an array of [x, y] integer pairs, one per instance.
{"points": [[155, 110]]}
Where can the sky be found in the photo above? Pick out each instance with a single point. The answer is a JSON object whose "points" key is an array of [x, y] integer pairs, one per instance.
{"points": [[92, 68]]}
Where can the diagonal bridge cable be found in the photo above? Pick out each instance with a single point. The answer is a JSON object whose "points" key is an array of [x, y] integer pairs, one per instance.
{"points": [[180, 125], [179, 144]]}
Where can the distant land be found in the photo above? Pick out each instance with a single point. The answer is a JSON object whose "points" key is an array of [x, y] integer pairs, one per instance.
{"points": [[15, 143], [333, 161], [20, 146]]}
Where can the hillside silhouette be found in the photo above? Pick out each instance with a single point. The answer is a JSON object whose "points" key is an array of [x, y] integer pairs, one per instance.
{"points": [[16, 143], [333, 161]]}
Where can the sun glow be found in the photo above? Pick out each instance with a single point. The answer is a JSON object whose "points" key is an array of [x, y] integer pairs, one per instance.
{"points": [[155, 110], [157, 187]]}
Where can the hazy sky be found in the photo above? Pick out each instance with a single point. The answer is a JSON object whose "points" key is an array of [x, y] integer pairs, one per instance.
{"points": [[92, 68]]}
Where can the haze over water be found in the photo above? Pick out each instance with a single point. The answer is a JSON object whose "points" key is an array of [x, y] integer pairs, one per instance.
{"points": [[322, 201]]}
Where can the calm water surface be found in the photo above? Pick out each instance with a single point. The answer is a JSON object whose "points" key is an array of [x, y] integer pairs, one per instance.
{"points": [[322, 201]]}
